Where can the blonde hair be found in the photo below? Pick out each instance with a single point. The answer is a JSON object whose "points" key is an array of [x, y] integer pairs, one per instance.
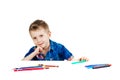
{"points": [[38, 24]]}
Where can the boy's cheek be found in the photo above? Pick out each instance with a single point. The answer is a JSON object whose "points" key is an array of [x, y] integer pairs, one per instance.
{"points": [[35, 42]]}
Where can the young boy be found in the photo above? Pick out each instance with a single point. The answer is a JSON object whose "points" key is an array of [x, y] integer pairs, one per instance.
{"points": [[45, 48]]}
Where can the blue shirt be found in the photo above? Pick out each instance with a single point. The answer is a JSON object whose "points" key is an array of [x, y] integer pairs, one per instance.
{"points": [[57, 52]]}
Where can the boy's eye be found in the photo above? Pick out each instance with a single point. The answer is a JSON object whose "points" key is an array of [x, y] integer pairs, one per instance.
{"points": [[41, 35], [34, 37]]}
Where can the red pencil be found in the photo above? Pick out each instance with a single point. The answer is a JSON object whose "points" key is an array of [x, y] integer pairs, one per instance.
{"points": [[27, 69]]}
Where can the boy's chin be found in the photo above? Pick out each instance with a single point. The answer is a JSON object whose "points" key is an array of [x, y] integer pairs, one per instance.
{"points": [[41, 46]]}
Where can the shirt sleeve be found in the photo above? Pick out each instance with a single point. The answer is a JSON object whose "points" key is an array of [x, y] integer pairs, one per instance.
{"points": [[66, 53], [29, 52]]}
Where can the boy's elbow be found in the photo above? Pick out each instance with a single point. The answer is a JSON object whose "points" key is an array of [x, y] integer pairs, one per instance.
{"points": [[24, 59]]}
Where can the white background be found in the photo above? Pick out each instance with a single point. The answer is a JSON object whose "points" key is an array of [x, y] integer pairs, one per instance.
{"points": [[86, 27]]}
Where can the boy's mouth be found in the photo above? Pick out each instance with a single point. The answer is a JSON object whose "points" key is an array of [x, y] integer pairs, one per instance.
{"points": [[40, 44]]}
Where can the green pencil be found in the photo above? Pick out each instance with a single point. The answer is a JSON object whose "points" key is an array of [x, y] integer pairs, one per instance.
{"points": [[82, 61]]}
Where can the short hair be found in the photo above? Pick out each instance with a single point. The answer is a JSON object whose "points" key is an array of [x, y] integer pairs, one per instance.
{"points": [[38, 24]]}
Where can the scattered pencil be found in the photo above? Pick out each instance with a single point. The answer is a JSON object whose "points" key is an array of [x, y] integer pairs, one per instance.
{"points": [[97, 66], [81, 61], [39, 67], [26, 69], [48, 66]]}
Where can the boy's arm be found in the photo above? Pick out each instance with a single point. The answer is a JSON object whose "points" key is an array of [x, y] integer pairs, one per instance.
{"points": [[29, 57], [71, 58], [33, 54]]}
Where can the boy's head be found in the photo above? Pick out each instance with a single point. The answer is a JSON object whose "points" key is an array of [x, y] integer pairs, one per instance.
{"points": [[37, 24], [40, 33]]}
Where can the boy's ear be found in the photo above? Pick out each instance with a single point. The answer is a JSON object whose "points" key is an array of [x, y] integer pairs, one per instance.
{"points": [[49, 33]]}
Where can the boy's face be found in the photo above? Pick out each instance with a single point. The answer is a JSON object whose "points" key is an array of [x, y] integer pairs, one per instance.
{"points": [[41, 37]]}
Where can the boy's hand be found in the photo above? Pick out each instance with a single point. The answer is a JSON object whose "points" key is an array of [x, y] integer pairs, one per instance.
{"points": [[83, 58], [79, 59], [38, 50]]}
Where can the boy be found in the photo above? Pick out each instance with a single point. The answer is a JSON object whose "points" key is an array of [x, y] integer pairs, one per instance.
{"points": [[45, 48]]}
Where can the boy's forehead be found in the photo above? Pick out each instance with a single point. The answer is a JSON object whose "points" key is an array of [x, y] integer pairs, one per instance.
{"points": [[38, 31]]}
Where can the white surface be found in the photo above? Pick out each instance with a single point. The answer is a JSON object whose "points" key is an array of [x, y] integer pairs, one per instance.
{"points": [[66, 70]]}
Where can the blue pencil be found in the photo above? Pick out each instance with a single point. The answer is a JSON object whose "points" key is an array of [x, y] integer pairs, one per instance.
{"points": [[32, 67]]}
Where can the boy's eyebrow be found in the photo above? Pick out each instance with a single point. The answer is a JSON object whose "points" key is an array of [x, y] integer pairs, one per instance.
{"points": [[33, 37]]}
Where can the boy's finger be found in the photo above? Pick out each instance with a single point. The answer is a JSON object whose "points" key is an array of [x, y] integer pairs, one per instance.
{"points": [[84, 58]]}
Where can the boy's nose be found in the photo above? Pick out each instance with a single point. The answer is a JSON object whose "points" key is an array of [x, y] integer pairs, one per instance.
{"points": [[38, 40]]}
